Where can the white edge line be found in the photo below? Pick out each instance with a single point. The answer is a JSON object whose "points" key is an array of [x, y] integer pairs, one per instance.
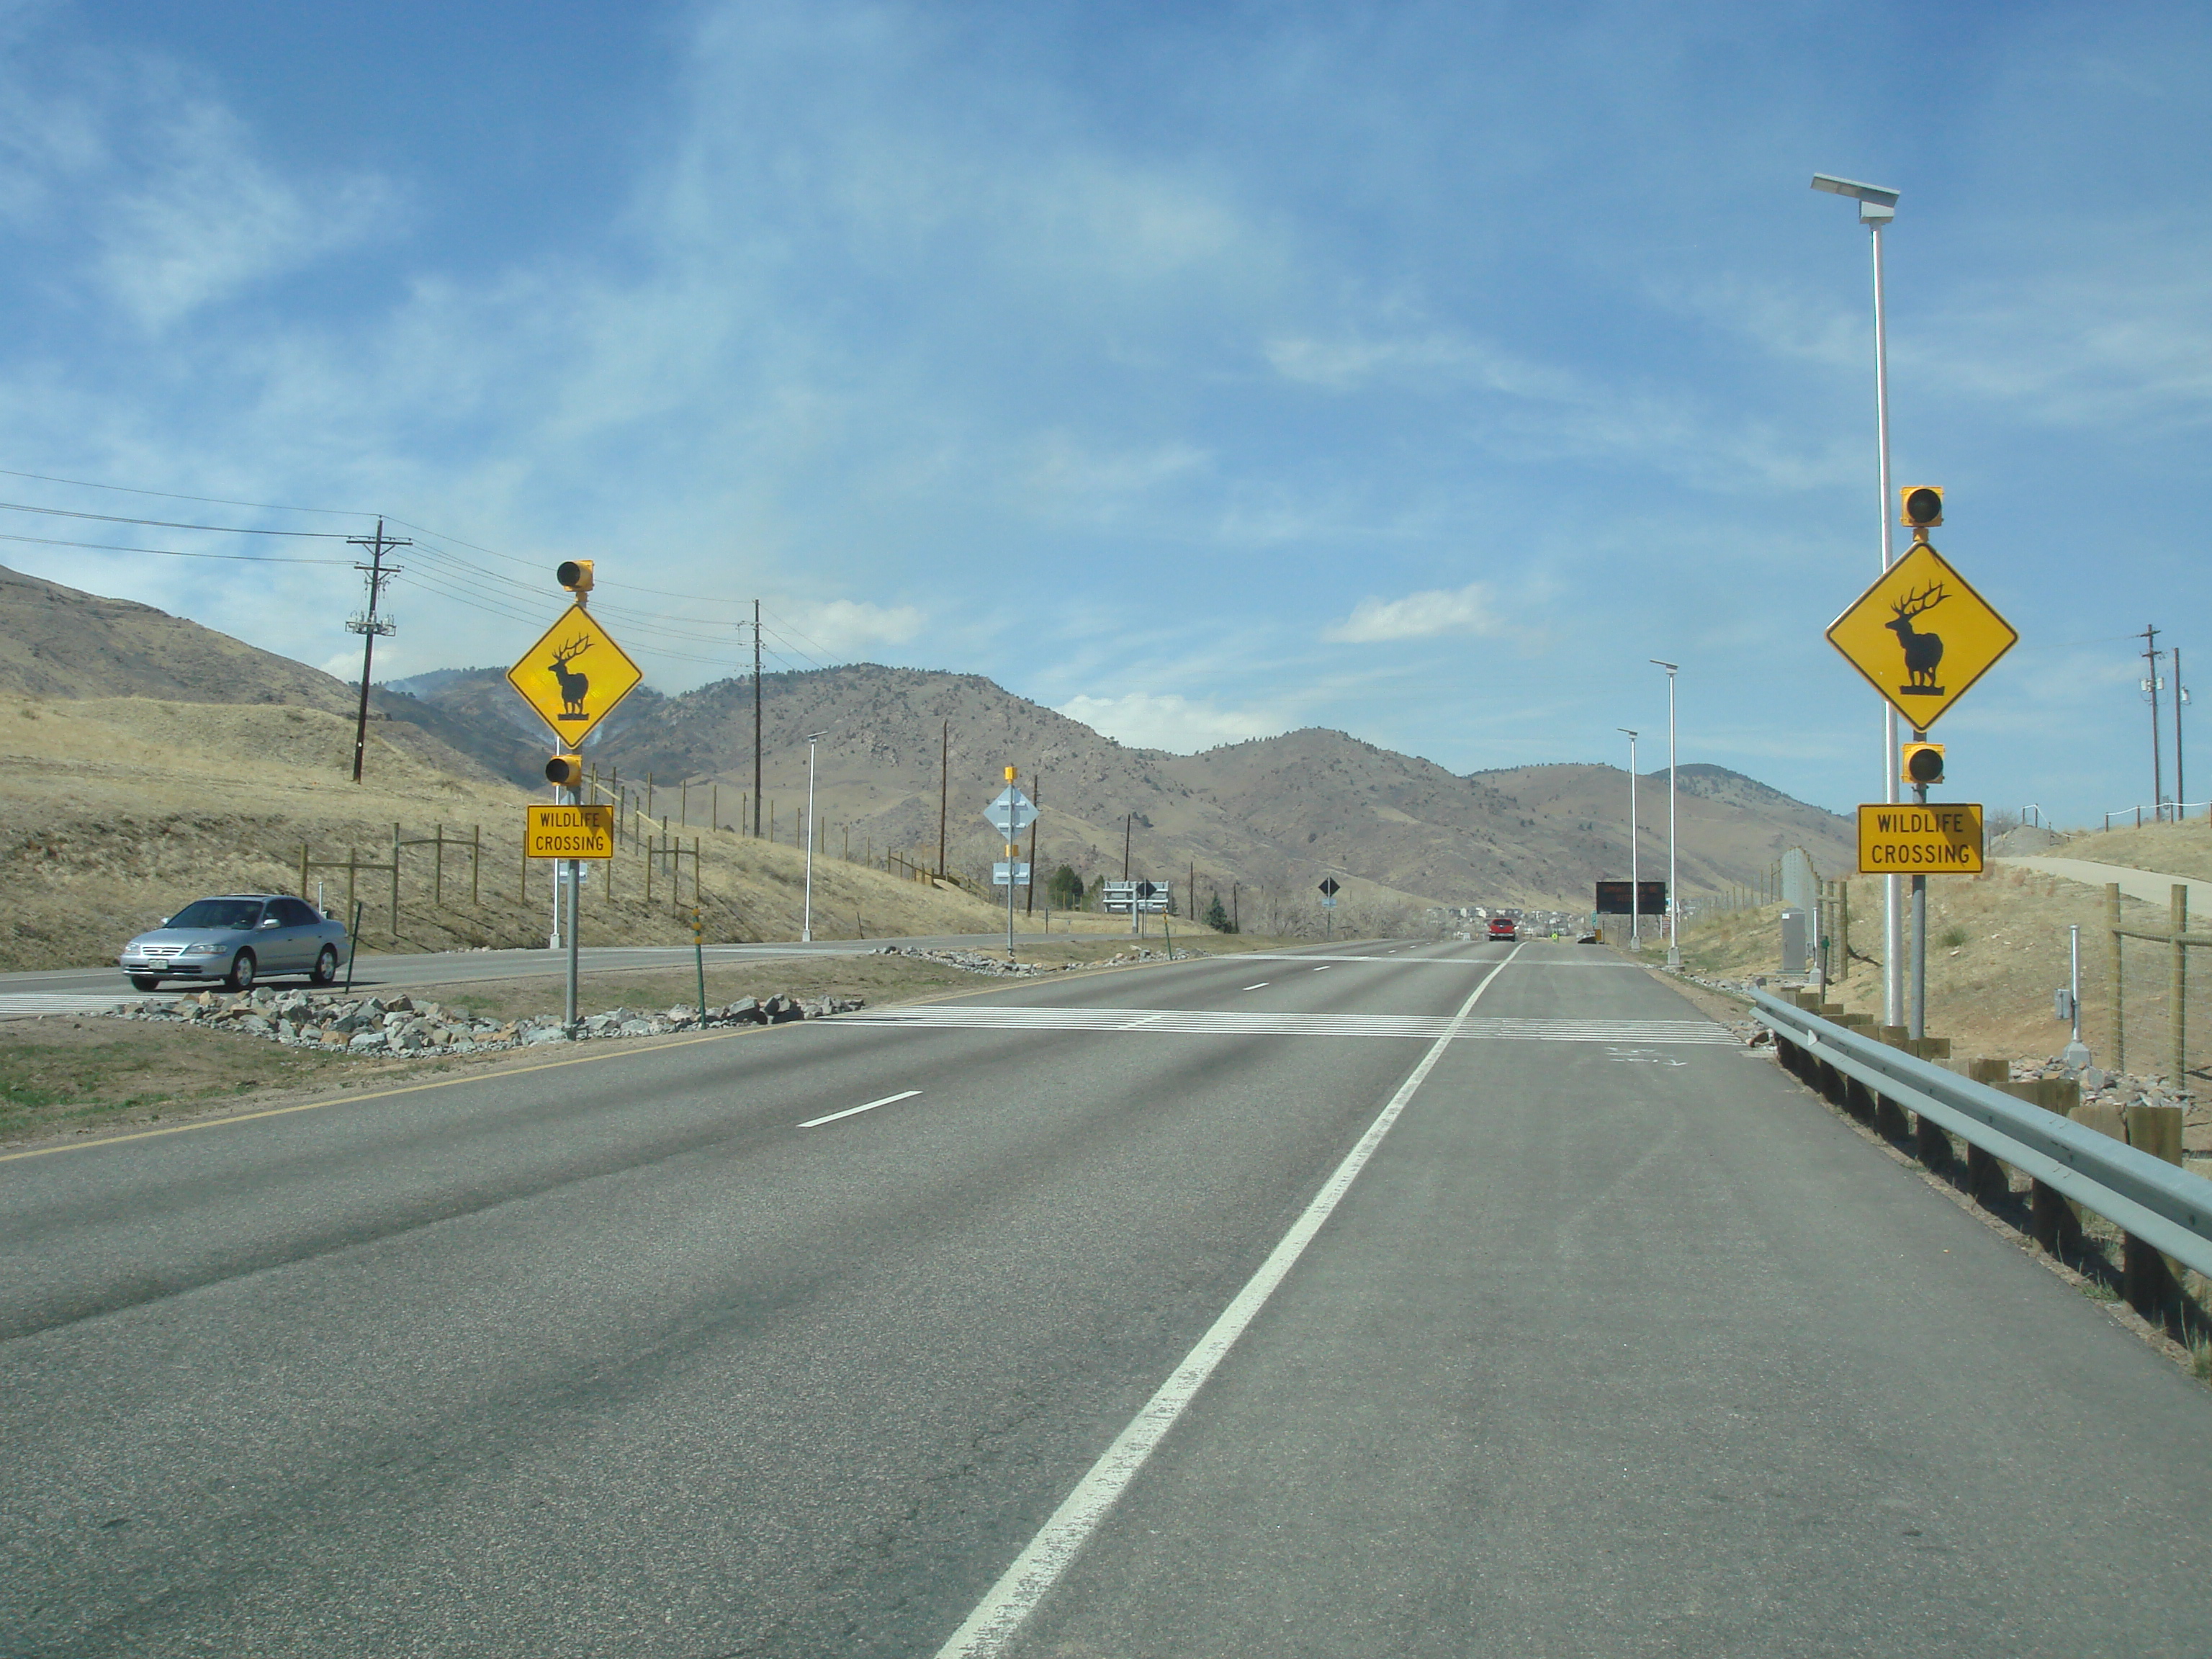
{"points": [[850, 1111], [1038, 1567]]}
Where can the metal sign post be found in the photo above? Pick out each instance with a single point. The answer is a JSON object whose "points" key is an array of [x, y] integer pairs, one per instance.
{"points": [[1922, 636], [1010, 813], [1328, 892], [699, 954], [572, 700]]}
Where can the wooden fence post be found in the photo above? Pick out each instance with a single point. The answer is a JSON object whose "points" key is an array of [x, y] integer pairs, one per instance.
{"points": [[395, 884], [2177, 908], [303, 869], [438, 867], [2119, 1002], [476, 858]]}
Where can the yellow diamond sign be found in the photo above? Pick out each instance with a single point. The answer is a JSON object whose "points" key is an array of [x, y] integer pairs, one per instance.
{"points": [[574, 676], [1922, 635]]}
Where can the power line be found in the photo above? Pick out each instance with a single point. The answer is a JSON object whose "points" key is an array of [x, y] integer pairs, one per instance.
{"points": [[172, 495], [172, 524], [168, 552]]}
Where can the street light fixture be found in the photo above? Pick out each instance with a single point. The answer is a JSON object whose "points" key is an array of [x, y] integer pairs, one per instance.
{"points": [[1674, 899], [1635, 891], [806, 921], [1877, 207]]}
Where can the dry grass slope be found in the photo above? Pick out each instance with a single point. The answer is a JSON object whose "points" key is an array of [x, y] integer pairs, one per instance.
{"points": [[123, 808]]}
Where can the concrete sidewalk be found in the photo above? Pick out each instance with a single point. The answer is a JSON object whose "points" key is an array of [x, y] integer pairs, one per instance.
{"points": [[2151, 886]]}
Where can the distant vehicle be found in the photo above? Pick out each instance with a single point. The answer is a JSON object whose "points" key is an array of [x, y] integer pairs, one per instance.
{"points": [[238, 938], [1503, 928]]}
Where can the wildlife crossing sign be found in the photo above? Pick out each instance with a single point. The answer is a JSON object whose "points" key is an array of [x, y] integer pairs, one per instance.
{"points": [[574, 676], [1921, 636]]}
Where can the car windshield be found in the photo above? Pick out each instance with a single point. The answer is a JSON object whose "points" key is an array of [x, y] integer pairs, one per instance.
{"points": [[235, 913]]}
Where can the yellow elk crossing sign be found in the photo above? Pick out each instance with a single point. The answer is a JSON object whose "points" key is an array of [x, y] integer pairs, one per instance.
{"points": [[1922, 636], [574, 676]]}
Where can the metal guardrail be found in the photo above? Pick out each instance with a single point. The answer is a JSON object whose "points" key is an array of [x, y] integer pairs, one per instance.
{"points": [[2147, 1199]]}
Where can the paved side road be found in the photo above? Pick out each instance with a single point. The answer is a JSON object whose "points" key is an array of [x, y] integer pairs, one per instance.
{"points": [[2152, 887], [1617, 1343]]}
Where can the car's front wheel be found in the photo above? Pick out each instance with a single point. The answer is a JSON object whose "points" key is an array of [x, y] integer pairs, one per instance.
{"points": [[242, 966], [326, 965], [145, 981]]}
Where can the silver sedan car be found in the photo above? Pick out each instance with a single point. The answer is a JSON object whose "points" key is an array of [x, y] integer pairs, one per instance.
{"points": [[238, 938]]}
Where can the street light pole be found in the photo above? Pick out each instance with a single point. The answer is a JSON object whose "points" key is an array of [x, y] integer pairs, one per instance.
{"points": [[806, 922], [1877, 207], [1635, 872], [1674, 898]]}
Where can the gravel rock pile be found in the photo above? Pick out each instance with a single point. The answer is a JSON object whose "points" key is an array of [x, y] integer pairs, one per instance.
{"points": [[973, 961], [399, 1024]]}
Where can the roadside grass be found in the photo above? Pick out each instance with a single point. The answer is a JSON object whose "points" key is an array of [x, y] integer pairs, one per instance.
{"points": [[82, 1074], [1997, 948]]}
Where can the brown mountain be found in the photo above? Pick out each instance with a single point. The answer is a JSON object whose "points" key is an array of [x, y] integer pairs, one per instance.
{"points": [[1274, 815], [57, 642], [1269, 817]]}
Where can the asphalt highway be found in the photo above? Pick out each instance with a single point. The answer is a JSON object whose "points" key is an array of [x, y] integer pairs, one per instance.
{"points": [[1558, 1324]]}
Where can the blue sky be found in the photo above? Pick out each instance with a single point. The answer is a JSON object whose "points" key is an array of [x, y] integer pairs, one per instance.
{"points": [[1205, 371]]}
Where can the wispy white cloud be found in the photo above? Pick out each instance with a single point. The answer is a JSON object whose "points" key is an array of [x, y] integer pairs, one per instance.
{"points": [[210, 218], [1469, 610], [1145, 721], [835, 630]]}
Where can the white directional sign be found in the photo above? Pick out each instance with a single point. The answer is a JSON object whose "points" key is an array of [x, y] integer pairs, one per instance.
{"points": [[1021, 873], [1011, 813]]}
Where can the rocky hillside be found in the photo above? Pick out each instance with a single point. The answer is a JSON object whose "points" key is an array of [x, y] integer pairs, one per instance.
{"points": [[1273, 816], [1265, 820], [58, 643]]}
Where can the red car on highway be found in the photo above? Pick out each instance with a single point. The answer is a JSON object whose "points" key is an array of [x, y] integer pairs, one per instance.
{"points": [[1502, 928]]}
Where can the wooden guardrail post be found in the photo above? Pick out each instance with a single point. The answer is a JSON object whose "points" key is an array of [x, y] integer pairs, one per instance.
{"points": [[1986, 1181], [2146, 1278]]}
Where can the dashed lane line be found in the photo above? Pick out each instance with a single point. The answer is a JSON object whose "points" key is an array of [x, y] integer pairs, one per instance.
{"points": [[854, 1111]]}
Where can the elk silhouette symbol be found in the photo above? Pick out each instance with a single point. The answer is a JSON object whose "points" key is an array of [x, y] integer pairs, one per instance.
{"points": [[575, 687], [1923, 651]]}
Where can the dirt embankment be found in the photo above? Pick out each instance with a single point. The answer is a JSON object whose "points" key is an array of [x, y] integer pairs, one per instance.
{"points": [[1998, 949]]}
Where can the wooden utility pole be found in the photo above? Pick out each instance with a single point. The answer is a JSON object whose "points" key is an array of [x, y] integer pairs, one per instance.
{"points": [[943, 791], [756, 721], [368, 625], [1036, 799]]}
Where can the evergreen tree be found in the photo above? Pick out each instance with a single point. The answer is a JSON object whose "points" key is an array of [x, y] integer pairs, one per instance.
{"points": [[1065, 889], [1217, 916]]}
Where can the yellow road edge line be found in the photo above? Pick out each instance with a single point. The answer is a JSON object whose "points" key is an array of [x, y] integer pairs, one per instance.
{"points": [[348, 1100]]}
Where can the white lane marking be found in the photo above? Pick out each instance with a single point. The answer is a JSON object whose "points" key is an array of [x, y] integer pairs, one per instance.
{"points": [[1195, 1022], [852, 1111], [1261, 986], [1323, 969], [1038, 1567]]}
